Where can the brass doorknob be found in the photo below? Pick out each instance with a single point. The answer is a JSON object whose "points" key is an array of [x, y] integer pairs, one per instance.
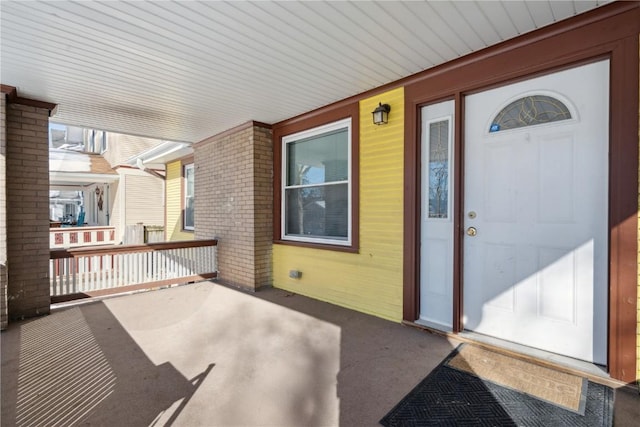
{"points": [[471, 231]]}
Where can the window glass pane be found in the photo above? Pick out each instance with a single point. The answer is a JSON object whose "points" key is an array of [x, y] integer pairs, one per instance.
{"points": [[188, 213], [188, 172], [318, 159], [439, 169], [321, 211], [189, 189], [529, 111]]}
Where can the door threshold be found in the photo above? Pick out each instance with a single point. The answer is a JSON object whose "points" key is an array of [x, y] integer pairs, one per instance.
{"points": [[591, 371], [540, 355]]}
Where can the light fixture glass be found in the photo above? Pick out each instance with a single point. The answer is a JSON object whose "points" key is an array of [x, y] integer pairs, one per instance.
{"points": [[381, 114]]}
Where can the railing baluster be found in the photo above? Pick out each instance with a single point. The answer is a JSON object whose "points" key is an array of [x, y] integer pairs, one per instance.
{"points": [[90, 268], [108, 270], [101, 272], [52, 277], [125, 268], [72, 268], [154, 265], [139, 265], [118, 274]]}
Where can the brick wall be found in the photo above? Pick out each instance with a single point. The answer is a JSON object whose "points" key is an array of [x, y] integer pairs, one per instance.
{"points": [[233, 202], [27, 174], [3, 215]]}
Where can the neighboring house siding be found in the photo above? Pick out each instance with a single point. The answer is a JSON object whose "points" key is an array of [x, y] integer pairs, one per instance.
{"points": [[136, 198], [144, 200], [122, 147], [173, 185], [116, 211], [370, 280]]}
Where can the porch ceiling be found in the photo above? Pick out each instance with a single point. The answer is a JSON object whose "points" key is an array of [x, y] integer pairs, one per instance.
{"points": [[184, 71]]}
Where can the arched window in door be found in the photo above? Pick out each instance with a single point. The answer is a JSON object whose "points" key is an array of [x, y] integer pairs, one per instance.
{"points": [[528, 111]]}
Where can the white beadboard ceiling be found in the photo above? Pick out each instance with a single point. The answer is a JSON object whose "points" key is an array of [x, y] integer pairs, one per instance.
{"points": [[186, 70]]}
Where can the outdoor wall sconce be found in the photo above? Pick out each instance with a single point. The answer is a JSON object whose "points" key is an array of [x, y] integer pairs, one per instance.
{"points": [[381, 114]]}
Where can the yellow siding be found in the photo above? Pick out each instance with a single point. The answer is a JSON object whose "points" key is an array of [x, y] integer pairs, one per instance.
{"points": [[371, 280], [173, 186]]}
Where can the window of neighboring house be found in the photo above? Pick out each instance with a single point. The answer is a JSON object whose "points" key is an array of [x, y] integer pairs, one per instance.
{"points": [[188, 191], [92, 141], [317, 185], [97, 141], [103, 142]]}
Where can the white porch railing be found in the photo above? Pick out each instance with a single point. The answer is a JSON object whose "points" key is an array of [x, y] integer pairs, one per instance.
{"points": [[85, 272], [69, 237]]}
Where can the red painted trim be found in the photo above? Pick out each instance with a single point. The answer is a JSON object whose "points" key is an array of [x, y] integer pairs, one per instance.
{"points": [[56, 299], [10, 91], [607, 32], [623, 210], [13, 98], [116, 249]]}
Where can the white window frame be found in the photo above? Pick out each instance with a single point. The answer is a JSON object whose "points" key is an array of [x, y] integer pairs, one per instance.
{"points": [[341, 124], [185, 186]]}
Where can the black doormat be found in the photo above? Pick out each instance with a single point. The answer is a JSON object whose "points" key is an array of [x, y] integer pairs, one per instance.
{"points": [[451, 397]]}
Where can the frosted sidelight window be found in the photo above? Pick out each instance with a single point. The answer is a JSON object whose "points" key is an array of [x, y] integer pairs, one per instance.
{"points": [[439, 143]]}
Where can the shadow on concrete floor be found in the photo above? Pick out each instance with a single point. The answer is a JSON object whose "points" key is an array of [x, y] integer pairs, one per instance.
{"points": [[207, 355], [79, 366]]}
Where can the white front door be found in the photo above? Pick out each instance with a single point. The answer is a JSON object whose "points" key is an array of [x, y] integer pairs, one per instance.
{"points": [[535, 212]]}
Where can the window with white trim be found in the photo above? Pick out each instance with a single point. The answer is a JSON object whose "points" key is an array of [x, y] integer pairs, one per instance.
{"points": [[316, 191], [188, 191]]}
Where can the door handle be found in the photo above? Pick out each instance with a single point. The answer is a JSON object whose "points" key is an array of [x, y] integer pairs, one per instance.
{"points": [[471, 231]]}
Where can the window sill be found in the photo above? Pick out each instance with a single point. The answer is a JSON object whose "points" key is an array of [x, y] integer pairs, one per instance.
{"points": [[327, 247]]}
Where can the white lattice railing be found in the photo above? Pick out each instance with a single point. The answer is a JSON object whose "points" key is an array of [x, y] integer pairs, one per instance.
{"points": [[70, 237], [80, 272]]}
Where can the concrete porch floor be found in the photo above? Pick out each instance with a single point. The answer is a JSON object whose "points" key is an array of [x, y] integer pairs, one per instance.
{"points": [[207, 355]]}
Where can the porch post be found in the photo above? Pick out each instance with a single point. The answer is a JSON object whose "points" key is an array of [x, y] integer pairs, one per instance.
{"points": [[27, 203], [4, 315], [233, 202]]}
